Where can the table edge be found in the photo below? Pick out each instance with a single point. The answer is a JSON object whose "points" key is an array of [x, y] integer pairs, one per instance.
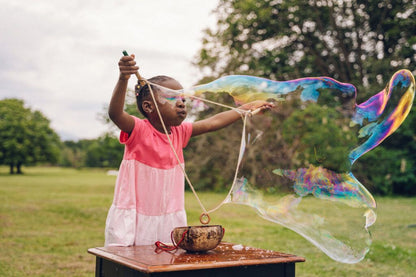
{"points": [[134, 264]]}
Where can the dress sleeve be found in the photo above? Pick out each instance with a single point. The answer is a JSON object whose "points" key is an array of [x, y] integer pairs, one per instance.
{"points": [[187, 133], [138, 125]]}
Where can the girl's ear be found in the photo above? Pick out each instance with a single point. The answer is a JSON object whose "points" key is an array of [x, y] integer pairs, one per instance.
{"points": [[147, 106]]}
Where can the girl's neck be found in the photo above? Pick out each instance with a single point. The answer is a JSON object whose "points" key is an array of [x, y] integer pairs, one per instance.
{"points": [[158, 126]]}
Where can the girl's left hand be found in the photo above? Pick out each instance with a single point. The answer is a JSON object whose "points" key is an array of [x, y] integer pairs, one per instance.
{"points": [[258, 105]]}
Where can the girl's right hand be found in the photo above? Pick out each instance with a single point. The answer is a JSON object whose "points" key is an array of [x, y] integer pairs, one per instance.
{"points": [[127, 66]]}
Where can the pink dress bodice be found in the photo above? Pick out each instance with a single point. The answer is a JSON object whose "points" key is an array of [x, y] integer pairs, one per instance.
{"points": [[149, 192]]}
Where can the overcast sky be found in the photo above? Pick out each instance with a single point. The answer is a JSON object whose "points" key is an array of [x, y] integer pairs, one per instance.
{"points": [[61, 56]]}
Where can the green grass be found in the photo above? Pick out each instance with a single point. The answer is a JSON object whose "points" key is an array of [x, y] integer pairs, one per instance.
{"points": [[49, 217]]}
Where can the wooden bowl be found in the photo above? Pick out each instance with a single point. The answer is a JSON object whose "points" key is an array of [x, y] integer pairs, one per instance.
{"points": [[198, 238]]}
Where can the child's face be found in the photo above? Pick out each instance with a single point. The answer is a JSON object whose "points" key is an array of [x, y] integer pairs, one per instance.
{"points": [[172, 108]]}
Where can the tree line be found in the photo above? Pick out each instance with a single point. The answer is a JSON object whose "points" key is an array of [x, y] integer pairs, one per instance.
{"points": [[26, 138]]}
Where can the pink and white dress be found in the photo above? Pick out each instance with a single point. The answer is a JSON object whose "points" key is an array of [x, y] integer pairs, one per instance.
{"points": [[149, 192]]}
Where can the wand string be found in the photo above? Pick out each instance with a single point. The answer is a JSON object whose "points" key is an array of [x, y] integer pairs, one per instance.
{"points": [[244, 114]]}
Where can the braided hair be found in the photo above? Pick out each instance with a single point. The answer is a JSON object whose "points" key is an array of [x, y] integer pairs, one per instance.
{"points": [[143, 91]]}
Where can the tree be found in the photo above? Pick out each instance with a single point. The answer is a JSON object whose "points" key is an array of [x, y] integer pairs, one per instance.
{"points": [[106, 151], [360, 42], [25, 136]]}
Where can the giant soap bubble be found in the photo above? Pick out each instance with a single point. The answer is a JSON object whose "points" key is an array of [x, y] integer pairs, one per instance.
{"points": [[310, 187]]}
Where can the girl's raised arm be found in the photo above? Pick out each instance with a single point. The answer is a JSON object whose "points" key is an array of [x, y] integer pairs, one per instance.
{"points": [[224, 119], [123, 120]]}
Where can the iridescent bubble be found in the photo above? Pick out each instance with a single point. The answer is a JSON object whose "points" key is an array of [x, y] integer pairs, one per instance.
{"points": [[245, 89], [297, 159], [309, 187]]}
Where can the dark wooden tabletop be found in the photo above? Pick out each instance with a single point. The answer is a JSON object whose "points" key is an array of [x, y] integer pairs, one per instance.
{"points": [[145, 259]]}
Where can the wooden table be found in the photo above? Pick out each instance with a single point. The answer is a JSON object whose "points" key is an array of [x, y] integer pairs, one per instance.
{"points": [[226, 260]]}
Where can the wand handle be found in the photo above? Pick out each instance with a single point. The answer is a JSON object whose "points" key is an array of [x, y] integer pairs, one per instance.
{"points": [[137, 72]]}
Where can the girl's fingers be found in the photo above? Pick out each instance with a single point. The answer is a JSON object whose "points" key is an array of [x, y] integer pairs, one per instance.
{"points": [[129, 68], [133, 67], [127, 63]]}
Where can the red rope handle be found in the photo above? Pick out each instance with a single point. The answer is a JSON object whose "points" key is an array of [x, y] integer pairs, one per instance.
{"points": [[160, 246]]}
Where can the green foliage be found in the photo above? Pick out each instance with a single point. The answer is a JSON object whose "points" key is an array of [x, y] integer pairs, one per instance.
{"points": [[319, 137], [387, 171], [390, 169], [358, 42], [25, 136], [27, 139], [104, 151], [73, 153]]}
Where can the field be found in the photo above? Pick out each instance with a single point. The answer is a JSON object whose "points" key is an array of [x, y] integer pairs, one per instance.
{"points": [[49, 217]]}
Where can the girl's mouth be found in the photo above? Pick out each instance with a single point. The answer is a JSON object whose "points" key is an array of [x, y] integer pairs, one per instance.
{"points": [[182, 113]]}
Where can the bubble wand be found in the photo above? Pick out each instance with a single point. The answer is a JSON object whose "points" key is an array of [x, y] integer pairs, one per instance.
{"points": [[142, 80]]}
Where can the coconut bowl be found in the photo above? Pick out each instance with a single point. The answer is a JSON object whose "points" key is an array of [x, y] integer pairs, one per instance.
{"points": [[198, 238]]}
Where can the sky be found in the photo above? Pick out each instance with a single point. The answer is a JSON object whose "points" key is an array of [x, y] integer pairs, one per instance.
{"points": [[61, 56]]}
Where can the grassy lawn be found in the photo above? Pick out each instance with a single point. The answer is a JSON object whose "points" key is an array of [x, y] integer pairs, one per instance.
{"points": [[49, 217]]}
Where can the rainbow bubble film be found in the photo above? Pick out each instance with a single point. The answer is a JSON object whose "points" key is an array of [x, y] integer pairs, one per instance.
{"points": [[310, 187]]}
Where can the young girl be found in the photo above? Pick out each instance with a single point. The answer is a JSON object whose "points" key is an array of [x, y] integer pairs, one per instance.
{"points": [[149, 193]]}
